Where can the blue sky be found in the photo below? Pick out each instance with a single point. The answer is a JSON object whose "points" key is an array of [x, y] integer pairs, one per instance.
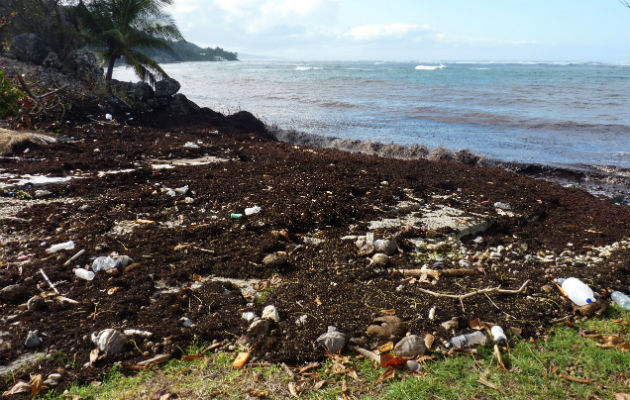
{"points": [[407, 30]]}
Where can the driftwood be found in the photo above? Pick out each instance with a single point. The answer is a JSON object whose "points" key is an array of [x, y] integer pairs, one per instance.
{"points": [[39, 100], [461, 297]]}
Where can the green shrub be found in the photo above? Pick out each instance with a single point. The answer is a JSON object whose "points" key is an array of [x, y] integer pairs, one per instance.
{"points": [[9, 97]]}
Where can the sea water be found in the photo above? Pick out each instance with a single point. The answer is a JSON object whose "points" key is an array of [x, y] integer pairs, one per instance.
{"points": [[550, 113]]}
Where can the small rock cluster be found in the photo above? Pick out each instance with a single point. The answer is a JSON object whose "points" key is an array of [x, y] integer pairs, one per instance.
{"points": [[163, 97]]}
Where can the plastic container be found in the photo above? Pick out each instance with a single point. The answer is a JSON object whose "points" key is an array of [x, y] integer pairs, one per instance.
{"points": [[498, 335], [469, 340], [252, 210], [621, 299], [103, 263], [84, 274], [577, 291], [69, 245]]}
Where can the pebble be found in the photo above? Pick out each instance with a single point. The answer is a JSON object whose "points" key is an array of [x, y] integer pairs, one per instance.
{"points": [[386, 246], [465, 263], [186, 322], [36, 303], [413, 366], [32, 340], [502, 206], [53, 379], [42, 193], [275, 259], [380, 259], [258, 327], [271, 313], [13, 293]]}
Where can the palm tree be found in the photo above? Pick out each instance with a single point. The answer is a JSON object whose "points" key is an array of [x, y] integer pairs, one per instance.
{"points": [[121, 28]]}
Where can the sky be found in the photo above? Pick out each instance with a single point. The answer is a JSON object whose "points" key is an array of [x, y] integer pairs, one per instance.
{"points": [[411, 30]]}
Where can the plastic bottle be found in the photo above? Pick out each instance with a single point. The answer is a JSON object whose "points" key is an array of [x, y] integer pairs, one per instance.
{"points": [[578, 291], [103, 263], [621, 299], [469, 340], [84, 274], [69, 245], [497, 334]]}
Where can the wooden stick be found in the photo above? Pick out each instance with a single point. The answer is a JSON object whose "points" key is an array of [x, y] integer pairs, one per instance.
{"points": [[370, 355], [461, 297], [436, 274], [41, 271], [74, 257]]}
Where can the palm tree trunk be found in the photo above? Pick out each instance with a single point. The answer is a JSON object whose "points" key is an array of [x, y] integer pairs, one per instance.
{"points": [[110, 67]]}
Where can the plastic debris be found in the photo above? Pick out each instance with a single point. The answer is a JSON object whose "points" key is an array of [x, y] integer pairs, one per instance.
{"points": [[577, 291], [236, 215], [469, 340], [333, 340], [69, 245], [186, 322], [182, 190], [84, 274], [32, 340], [252, 210], [621, 299], [410, 346], [248, 316], [191, 145], [301, 320], [498, 335], [386, 246], [270, 312], [502, 206], [109, 341], [103, 263]]}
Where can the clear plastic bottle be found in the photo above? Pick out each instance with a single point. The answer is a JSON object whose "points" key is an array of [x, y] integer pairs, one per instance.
{"points": [[621, 299], [577, 291], [103, 263], [498, 335], [469, 340], [69, 245], [84, 274]]}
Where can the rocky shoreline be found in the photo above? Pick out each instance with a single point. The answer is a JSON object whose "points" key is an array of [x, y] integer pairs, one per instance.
{"points": [[239, 240]]}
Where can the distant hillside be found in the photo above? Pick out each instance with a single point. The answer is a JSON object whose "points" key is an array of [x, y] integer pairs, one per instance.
{"points": [[186, 51]]}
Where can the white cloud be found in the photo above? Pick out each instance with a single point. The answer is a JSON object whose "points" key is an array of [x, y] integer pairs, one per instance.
{"points": [[378, 31]]}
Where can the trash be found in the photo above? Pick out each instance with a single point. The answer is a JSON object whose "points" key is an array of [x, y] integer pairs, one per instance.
{"points": [[182, 190], [84, 273], [333, 340], [413, 366], [103, 263], [386, 246], [252, 210], [432, 313], [270, 312], [109, 117], [387, 327], [42, 193], [380, 259], [137, 332], [621, 299], [301, 320], [275, 259], [53, 379], [502, 206], [191, 145], [248, 316], [186, 322], [235, 215], [240, 360], [109, 341], [469, 340], [576, 290], [69, 245], [32, 340], [410, 346], [498, 335], [171, 193]]}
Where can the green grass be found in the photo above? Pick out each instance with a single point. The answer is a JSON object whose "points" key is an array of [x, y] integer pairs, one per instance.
{"points": [[534, 373]]}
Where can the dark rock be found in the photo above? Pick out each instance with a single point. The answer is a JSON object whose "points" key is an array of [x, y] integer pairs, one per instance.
{"points": [[36, 303], [32, 340], [83, 64], [30, 48], [13, 293], [259, 327], [166, 87], [52, 61], [140, 91], [246, 122], [180, 105]]}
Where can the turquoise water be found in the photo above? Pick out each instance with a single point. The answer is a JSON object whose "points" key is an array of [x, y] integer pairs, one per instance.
{"points": [[559, 114]]}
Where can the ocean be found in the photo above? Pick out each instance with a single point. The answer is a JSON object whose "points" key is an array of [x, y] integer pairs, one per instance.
{"points": [[560, 114]]}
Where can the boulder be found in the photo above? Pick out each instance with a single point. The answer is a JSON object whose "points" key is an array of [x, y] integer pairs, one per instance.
{"points": [[140, 91], [166, 87], [52, 61], [83, 64], [180, 105], [30, 48]]}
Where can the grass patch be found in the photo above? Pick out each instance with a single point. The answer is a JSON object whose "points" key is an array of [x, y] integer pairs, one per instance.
{"points": [[537, 371]]}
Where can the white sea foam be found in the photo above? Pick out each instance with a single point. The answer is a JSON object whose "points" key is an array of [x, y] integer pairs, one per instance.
{"points": [[306, 68], [480, 69], [429, 67]]}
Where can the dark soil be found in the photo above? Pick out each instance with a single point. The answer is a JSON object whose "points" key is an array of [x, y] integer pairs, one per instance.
{"points": [[306, 192]]}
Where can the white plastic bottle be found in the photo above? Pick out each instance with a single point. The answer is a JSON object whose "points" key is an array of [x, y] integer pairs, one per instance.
{"points": [[84, 274], [578, 292], [498, 335], [469, 340], [621, 299]]}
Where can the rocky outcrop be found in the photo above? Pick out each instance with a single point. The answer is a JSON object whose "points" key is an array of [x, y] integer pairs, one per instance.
{"points": [[30, 48], [166, 87], [141, 96], [83, 65]]}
